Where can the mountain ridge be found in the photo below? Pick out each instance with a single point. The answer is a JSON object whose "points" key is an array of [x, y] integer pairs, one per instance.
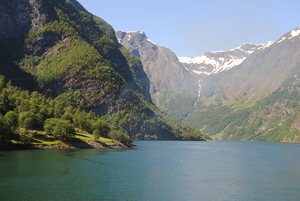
{"points": [[252, 74], [246, 91], [169, 80], [217, 61]]}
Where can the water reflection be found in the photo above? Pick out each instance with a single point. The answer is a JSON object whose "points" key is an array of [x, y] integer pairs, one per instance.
{"points": [[155, 170]]}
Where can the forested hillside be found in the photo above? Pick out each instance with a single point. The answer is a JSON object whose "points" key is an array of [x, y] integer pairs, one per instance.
{"points": [[273, 118], [71, 56]]}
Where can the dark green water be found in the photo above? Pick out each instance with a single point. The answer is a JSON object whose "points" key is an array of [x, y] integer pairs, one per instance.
{"points": [[155, 170]]}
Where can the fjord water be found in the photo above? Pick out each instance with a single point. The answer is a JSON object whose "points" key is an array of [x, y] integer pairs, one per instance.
{"points": [[155, 170]]}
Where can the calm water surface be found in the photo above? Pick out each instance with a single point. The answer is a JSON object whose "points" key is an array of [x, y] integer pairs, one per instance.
{"points": [[155, 170]]}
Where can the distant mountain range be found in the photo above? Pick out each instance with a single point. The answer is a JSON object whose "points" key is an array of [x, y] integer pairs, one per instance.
{"points": [[226, 93], [218, 61]]}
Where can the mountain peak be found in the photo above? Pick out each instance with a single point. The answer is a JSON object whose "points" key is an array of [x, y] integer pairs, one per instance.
{"points": [[121, 35], [295, 32], [290, 35]]}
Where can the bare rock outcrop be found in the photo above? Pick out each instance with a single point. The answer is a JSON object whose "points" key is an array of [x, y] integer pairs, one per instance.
{"points": [[17, 17]]}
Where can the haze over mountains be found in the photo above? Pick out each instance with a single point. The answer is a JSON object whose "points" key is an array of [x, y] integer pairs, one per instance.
{"points": [[226, 87]]}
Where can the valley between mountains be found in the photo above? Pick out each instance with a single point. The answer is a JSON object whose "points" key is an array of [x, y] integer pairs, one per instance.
{"points": [[67, 78], [246, 93]]}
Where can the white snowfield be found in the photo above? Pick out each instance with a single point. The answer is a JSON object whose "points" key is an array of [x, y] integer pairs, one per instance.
{"points": [[295, 32], [220, 64], [203, 64], [266, 45]]}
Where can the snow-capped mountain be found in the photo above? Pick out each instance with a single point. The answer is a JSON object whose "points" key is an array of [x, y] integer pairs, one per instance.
{"points": [[263, 87], [215, 91], [290, 35], [218, 61]]}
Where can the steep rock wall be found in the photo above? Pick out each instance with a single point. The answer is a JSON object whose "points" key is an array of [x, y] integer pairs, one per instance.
{"points": [[17, 17]]}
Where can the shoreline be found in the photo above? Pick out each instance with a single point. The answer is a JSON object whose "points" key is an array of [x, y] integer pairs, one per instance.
{"points": [[89, 145]]}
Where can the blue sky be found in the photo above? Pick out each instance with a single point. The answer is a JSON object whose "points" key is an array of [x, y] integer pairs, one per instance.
{"points": [[193, 27]]}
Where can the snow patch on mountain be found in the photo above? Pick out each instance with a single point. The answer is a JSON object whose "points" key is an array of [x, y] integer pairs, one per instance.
{"points": [[266, 45], [281, 39], [198, 60], [292, 34], [218, 61], [150, 41], [295, 32]]}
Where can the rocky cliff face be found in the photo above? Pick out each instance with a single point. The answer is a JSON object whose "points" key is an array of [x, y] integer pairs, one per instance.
{"points": [[17, 17], [159, 62], [32, 34], [170, 82]]}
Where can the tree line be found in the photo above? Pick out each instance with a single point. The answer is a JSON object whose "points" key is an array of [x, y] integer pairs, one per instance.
{"points": [[22, 113]]}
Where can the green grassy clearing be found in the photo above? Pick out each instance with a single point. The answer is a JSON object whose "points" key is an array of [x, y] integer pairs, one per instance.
{"points": [[81, 137]]}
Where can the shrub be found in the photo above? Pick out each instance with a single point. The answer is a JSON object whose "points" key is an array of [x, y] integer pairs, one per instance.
{"points": [[96, 134], [25, 136], [61, 129], [120, 136]]}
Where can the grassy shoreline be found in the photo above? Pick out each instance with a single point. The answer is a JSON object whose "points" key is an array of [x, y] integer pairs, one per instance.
{"points": [[81, 140]]}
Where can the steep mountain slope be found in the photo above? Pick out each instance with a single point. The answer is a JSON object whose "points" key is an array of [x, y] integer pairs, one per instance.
{"points": [[246, 93], [254, 98], [171, 86], [260, 74], [63, 52]]}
